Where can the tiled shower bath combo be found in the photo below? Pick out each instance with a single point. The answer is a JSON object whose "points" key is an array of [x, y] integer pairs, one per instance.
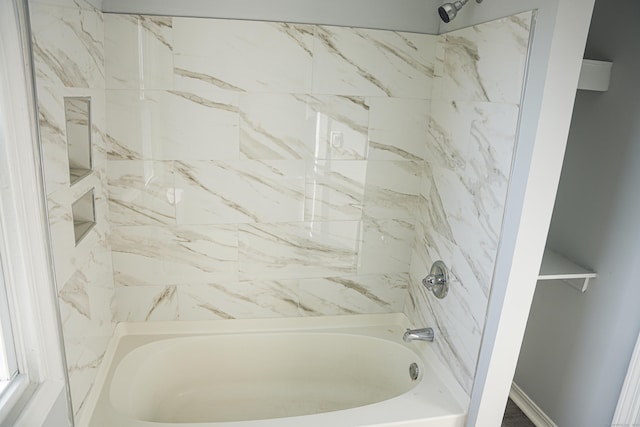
{"points": [[253, 170]]}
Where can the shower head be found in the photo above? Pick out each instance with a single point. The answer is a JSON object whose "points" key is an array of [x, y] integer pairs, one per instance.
{"points": [[448, 11]]}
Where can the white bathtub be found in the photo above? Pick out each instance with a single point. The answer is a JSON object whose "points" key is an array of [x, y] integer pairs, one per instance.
{"points": [[328, 371]]}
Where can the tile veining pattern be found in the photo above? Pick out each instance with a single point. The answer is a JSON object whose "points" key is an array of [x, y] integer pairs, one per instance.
{"points": [[262, 169], [68, 45], [478, 83]]}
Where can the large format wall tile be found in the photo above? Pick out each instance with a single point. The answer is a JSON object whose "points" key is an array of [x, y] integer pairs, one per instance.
{"points": [[360, 62], [253, 299], [291, 159], [253, 191], [280, 126], [154, 255], [256, 56], [386, 246], [484, 63], [340, 126], [298, 250], [353, 294], [471, 137], [275, 126], [84, 275], [392, 189], [146, 303], [141, 193], [243, 300], [68, 47], [86, 300], [171, 125], [398, 128], [53, 135], [140, 52], [334, 190], [84, 358], [472, 188]]}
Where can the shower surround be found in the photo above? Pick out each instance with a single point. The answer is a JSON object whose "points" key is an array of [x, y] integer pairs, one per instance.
{"points": [[479, 78], [68, 57], [262, 169], [252, 169], [310, 178]]}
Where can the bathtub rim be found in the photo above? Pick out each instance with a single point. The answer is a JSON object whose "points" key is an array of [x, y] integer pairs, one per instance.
{"points": [[289, 324]]}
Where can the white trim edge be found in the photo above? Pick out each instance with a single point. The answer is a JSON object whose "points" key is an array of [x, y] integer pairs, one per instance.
{"points": [[36, 413], [628, 408], [530, 409]]}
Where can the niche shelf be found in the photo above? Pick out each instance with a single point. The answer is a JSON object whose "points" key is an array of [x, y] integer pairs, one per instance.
{"points": [[77, 112], [595, 75], [84, 215], [556, 267]]}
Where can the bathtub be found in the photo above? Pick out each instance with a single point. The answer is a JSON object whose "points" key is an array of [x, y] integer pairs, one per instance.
{"points": [[327, 371]]}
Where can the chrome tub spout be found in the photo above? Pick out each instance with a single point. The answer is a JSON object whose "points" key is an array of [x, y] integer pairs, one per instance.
{"points": [[422, 334]]}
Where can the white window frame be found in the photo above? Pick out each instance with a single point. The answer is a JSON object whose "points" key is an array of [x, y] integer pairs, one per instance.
{"points": [[8, 356], [24, 241]]}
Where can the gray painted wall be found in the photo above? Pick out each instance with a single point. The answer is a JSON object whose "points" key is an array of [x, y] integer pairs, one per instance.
{"points": [[418, 16], [577, 346]]}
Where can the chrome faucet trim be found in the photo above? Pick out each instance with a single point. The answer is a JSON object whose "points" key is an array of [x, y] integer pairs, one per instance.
{"points": [[422, 334], [438, 280]]}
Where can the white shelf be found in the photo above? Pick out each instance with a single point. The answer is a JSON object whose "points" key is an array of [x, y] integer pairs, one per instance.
{"points": [[556, 267], [595, 75]]}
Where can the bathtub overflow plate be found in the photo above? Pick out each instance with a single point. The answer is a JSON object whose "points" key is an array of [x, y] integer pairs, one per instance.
{"points": [[414, 371]]}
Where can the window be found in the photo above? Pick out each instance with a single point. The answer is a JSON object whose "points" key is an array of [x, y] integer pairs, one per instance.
{"points": [[8, 358], [32, 371], [14, 387]]}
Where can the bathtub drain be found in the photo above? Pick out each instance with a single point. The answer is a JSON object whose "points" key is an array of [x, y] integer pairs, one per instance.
{"points": [[414, 371]]}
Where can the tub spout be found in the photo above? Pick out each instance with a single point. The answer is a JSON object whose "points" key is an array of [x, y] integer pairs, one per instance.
{"points": [[423, 334]]}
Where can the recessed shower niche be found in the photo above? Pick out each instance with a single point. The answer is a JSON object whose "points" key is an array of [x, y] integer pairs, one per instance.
{"points": [[84, 215], [77, 113]]}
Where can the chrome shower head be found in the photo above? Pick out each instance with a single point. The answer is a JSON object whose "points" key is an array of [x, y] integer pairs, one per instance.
{"points": [[448, 11]]}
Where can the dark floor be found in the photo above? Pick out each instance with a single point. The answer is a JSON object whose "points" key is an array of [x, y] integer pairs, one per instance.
{"points": [[513, 417]]}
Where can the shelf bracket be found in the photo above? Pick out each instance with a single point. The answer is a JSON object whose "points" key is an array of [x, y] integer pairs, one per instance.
{"points": [[556, 267]]}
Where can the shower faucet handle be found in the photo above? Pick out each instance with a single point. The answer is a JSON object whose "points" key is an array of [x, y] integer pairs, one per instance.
{"points": [[438, 280]]}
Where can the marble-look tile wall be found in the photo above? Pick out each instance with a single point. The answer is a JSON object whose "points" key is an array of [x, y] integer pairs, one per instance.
{"points": [[478, 82], [253, 169], [262, 169], [68, 51]]}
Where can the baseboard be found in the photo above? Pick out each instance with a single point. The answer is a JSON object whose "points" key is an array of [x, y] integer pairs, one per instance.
{"points": [[530, 409], [628, 408]]}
